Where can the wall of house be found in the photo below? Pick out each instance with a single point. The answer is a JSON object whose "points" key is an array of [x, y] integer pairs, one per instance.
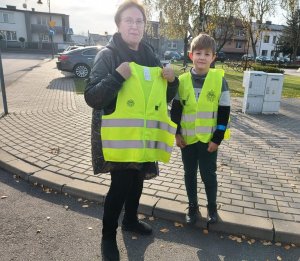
{"points": [[267, 48], [16, 25]]}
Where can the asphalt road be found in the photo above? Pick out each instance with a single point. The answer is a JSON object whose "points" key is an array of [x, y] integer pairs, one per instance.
{"points": [[16, 65], [37, 224]]}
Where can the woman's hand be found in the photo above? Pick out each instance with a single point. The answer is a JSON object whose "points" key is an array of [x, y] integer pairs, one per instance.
{"points": [[168, 74], [124, 70], [180, 141]]}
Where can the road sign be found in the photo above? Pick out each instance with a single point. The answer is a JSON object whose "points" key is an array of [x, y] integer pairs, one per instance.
{"points": [[52, 23], [51, 32]]}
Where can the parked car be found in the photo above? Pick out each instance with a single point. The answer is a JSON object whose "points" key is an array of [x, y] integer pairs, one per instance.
{"points": [[221, 56], [78, 61], [70, 48], [264, 59], [172, 55], [248, 57]]}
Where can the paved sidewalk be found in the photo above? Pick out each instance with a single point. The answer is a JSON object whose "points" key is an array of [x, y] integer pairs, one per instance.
{"points": [[46, 139]]}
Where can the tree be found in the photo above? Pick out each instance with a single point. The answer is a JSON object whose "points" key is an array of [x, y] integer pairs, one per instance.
{"points": [[256, 10], [290, 38]]}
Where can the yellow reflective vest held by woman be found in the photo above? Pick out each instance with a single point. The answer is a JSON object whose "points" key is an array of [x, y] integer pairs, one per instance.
{"points": [[139, 130], [199, 118]]}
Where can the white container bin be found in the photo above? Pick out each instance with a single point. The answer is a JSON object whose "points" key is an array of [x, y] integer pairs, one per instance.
{"points": [[270, 107], [254, 82], [273, 87], [253, 104]]}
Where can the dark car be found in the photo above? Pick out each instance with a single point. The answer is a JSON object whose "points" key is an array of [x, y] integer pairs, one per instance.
{"points": [[221, 56], [172, 55], [78, 61]]}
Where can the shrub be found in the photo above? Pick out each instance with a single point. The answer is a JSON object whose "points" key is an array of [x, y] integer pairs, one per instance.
{"points": [[267, 69]]}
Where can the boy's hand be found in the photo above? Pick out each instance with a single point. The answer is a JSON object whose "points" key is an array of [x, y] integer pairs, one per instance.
{"points": [[168, 74], [124, 70], [180, 141], [212, 146]]}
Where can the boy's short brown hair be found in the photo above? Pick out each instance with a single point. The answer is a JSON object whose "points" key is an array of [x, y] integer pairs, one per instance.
{"points": [[128, 4], [203, 41]]}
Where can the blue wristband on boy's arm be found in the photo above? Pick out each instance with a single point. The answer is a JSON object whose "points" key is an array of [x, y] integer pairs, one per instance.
{"points": [[221, 127]]}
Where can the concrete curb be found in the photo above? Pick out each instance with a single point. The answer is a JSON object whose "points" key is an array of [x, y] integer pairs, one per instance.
{"points": [[229, 222]]}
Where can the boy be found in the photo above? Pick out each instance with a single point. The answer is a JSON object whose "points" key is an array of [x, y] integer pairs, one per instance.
{"points": [[201, 109]]}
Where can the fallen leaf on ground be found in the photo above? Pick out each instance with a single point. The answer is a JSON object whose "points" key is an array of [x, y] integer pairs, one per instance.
{"points": [[249, 242], [243, 237], [48, 218], [221, 237], [90, 228], [38, 231], [151, 218], [66, 207], [239, 240], [205, 231], [134, 238], [141, 216], [176, 224], [252, 241], [164, 230], [293, 245], [267, 243], [35, 184], [279, 258], [79, 200], [278, 244], [3, 197], [287, 247], [66, 194], [85, 206]]}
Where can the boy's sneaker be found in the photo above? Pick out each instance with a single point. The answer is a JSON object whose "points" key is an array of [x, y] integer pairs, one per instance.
{"points": [[192, 214], [109, 249], [212, 216]]}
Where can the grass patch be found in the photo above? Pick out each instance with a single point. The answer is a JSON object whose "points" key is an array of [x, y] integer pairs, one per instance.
{"points": [[291, 84], [79, 85]]}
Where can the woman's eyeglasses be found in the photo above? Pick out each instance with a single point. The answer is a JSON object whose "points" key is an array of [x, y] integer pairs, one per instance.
{"points": [[131, 22]]}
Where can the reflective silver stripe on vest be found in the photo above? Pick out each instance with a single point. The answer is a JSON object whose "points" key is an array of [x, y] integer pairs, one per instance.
{"points": [[121, 144], [160, 125], [207, 114], [188, 117], [158, 145], [200, 130], [135, 144], [205, 129], [122, 123]]}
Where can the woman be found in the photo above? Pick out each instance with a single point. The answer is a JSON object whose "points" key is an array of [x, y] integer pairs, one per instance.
{"points": [[109, 86]]}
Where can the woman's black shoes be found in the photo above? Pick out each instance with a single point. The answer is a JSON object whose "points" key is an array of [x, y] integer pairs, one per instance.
{"points": [[109, 249], [192, 214], [139, 227]]}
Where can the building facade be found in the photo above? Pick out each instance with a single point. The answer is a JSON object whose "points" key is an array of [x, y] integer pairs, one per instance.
{"points": [[34, 27]]}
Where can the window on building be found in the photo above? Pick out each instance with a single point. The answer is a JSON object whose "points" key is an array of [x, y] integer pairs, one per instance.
{"points": [[264, 52], [43, 37], [42, 20], [238, 44], [9, 35], [274, 39], [239, 32], [172, 45], [6, 17], [266, 39]]}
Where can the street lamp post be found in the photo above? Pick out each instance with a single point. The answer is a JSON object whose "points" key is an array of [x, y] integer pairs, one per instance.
{"points": [[51, 24]]}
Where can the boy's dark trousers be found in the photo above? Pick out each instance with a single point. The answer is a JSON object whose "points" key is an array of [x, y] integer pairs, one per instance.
{"points": [[194, 156], [126, 188]]}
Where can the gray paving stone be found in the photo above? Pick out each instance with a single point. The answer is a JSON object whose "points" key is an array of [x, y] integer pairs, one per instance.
{"points": [[286, 231], [87, 190]]}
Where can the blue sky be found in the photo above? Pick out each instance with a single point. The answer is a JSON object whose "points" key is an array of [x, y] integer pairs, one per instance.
{"points": [[96, 16]]}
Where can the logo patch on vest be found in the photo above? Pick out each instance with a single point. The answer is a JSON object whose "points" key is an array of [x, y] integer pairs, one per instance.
{"points": [[211, 96], [130, 103]]}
